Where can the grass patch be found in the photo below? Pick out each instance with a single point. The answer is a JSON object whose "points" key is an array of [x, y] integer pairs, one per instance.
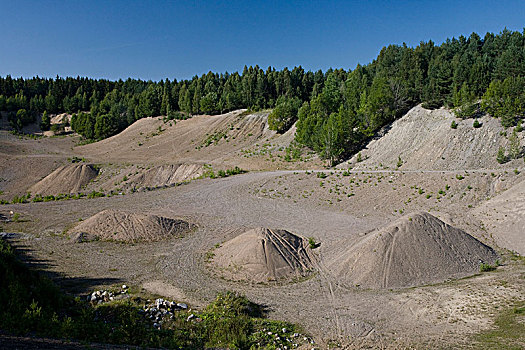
{"points": [[508, 332]]}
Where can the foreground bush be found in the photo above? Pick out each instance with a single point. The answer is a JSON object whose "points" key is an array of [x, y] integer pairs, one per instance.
{"points": [[32, 304]]}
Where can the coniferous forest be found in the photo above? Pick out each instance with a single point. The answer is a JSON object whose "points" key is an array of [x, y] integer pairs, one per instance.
{"points": [[336, 111]]}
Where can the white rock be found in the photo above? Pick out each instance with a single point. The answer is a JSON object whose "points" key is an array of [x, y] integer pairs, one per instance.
{"points": [[124, 286]]}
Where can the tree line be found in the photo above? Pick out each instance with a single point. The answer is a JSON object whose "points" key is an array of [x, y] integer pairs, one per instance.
{"points": [[336, 111]]}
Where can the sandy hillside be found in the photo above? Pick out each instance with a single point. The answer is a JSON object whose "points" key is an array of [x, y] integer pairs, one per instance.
{"points": [[125, 178], [414, 250], [504, 217], [423, 139], [66, 179], [263, 255], [227, 140], [128, 227]]}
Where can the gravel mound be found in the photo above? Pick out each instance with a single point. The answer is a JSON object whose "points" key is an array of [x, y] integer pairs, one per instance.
{"points": [[165, 175], [66, 179], [416, 249], [113, 225], [263, 255]]}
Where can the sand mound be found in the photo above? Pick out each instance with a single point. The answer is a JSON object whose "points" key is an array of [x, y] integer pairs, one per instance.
{"points": [[416, 249], [128, 227], [423, 139], [66, 179], [166, 175], [504, 218], [263, 255]]}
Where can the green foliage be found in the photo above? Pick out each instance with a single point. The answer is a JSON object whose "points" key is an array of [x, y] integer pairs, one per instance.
{"points": [[312, 243], [454, 125], [399, 162], [508, 332], [519, 126], [501, 157], [45, 123], [514, 145], [21, 199], [477, 124], [221, 173], [284, 114], [33, 304], [487, 267], [505, 100], [95, 194], [465, 102]]}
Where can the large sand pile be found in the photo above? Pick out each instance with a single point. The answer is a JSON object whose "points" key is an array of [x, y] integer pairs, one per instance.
{"points": [[423, 139], [416, 249], [262, 255], [129, 227], [66, 179], [504, 218]]}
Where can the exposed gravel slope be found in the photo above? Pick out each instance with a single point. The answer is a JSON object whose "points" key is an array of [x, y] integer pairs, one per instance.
{"points": [[423, 139]]}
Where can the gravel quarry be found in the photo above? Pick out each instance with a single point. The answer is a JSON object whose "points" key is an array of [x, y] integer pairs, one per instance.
{"points": [[397, 253]]}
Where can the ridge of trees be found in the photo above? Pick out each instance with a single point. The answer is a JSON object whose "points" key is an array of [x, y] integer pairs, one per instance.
{"points": [[336, 111]]}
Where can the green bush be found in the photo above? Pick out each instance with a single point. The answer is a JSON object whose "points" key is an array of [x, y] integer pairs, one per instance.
{"points": [[477, 124], [454, 125], [501, 157]]}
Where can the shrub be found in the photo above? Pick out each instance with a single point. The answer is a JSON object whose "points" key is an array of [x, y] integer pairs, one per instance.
{"points": [[477, 124], [454, 125], [312, 243], [501, 157], [488, 267], [95, 194], [399, 162]]}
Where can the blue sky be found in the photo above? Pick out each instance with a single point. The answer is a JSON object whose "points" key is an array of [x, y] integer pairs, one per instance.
{"points": [[179, 39]]}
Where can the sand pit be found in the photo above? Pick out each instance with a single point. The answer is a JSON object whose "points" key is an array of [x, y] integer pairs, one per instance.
{"points": [[416, 249], [66, 179], [113, 225], [263, 255]]}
